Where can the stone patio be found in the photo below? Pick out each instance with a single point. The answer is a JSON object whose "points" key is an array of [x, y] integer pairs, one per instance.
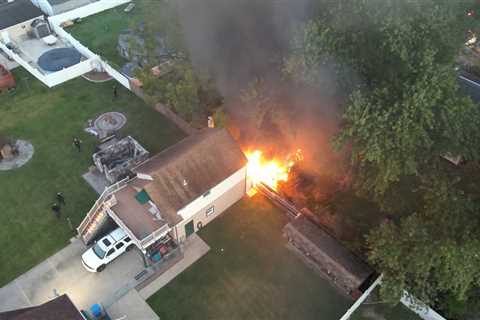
{"points": [[25, 153]]}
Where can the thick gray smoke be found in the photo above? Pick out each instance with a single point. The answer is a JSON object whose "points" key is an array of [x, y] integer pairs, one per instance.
{"points": [[238, 41]]}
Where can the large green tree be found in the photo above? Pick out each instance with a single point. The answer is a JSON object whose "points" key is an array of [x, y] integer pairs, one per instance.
{"points": [[435, 250], [179, 88], [395, 61]]}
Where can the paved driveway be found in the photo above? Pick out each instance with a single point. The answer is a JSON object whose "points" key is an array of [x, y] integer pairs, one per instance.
{"points": [[113, 287], [64, 273]]}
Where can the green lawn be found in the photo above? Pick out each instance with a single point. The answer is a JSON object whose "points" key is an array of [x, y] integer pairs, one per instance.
{"points": [[100, 32], [380, 311], [250, 274], [49, 118]]}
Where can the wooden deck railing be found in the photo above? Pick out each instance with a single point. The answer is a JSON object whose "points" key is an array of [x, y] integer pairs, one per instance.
{"points": [[83, 227], [157, 234]]}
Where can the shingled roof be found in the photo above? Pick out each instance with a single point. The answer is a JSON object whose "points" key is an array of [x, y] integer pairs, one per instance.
{"points": [[190, 168], [16, 12], [58, 308], [347, 266]]}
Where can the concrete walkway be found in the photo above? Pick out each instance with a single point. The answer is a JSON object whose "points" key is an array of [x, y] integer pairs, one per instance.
{"points": [[131, 307], [114, 287]]}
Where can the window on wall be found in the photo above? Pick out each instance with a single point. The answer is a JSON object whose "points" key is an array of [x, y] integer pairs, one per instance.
{"points": [[210, 211]]}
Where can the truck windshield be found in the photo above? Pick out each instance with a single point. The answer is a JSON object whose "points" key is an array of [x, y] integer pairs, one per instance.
{"points": [[98, 251]]}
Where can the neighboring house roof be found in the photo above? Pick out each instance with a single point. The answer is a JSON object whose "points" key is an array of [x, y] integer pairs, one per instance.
{"points": [[190, 168], [58, 308], [16, 12]]}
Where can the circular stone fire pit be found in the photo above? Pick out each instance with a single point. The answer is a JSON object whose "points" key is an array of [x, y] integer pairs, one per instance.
{"points": [[24, 152], [110, 122]]}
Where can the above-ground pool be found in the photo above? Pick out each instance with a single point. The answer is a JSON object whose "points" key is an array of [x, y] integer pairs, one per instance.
{"points": [[58, 59]]}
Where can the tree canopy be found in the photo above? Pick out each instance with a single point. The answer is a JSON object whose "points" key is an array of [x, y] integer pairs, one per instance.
{"points": [[396, 62], [433, 251], [395, 58]]}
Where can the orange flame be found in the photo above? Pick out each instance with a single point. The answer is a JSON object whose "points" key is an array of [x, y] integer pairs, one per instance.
{"points": [[268, 171]]}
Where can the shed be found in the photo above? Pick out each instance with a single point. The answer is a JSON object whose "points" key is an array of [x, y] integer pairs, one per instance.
{"points": [[327, 255]]}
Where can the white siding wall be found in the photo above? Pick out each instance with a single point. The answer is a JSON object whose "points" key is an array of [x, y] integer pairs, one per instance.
{"points": [[221, 197]]}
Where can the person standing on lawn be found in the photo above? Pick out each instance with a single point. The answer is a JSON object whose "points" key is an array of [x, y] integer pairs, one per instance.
{"points": [[115, 92], [77, 143], [56, 210], [60, 198]]}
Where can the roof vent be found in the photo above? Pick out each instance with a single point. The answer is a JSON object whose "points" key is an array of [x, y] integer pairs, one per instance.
{"points": [[144, 176], [154, 211]]}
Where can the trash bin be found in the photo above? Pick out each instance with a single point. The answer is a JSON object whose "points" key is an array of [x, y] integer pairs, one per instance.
{"points": [[96, 310]]}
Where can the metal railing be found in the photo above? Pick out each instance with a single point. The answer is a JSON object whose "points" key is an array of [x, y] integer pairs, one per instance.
{"points": [[99, 204], [157, 234]]}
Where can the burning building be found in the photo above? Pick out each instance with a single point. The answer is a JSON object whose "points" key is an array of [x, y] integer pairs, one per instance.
{"points": [[306, 233], [176, 192]]}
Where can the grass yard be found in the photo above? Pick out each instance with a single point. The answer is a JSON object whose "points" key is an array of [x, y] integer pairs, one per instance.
{"points": [[100, 32], [50, 118], [250, 274]]}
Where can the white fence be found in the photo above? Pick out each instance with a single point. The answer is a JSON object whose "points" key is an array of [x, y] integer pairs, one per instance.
{"points": [[93, 60], [123, 80], [88, 10], [360, 300], [69, 73], [54, 78], [421, 309], [415, 305]]}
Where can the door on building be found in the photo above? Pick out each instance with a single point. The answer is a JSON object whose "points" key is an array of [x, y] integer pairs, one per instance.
{"points": [[189, 228]]}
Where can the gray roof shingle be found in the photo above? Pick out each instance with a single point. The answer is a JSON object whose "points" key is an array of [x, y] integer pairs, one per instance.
{"points": [[190, 168], [18, 11]]}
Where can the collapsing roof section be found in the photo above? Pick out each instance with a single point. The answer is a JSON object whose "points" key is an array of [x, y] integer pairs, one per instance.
{"points": [[16, 12], [190, 168]]}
